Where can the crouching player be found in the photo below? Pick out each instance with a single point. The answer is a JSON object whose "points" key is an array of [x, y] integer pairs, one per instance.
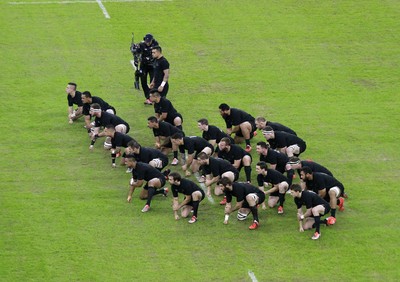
{"points": [[193, 196], [315, 205], [144, 172], [247, 199]]}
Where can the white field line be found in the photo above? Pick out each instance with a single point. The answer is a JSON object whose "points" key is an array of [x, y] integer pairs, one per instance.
{"points": [[103, 9], [82, 1], [252, 276]]}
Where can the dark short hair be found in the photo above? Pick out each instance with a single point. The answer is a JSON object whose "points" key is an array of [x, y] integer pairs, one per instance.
{"points": [[153, 119], [262, 119], [175, 176], [262, 165], [295, 187], [224, 107], [202, 156], [177, 135], [224, 181], [203, 121], [306, 170], [263, 144], [73, 84], [155, 91], [226, 140], [158, 48], [133, 144], [87, 94]]}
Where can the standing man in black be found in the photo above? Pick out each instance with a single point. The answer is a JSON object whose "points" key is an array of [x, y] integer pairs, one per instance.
{"points": [[161, 72], [240, 123], [74, 98]]}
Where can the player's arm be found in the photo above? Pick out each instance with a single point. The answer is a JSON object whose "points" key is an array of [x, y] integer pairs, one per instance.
{"points": [[188, 162], [163, 116], [273, 189], [175, 204], [79, 111], [272, 166], [235, 129], [133, 184], [237, 206], [300, 218], [322, 192]]}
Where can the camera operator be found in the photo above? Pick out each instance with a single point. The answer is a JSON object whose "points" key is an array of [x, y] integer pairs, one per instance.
{"points": [[142, 51]]}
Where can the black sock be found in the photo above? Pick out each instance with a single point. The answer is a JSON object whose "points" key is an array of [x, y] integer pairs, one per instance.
{"points": [[180, 127], [247, 171], [333, 212], [254, 211], [151, 192], [247, 142], [175, 154], [281, 198], [337, 202], [290, 174], [317, 223], [195, 205]]}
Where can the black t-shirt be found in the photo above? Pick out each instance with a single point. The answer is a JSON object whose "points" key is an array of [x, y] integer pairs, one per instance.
{"points": [[273, 177], [160, 65], [107, 118], [217, 167], [186, 187], [275, 158], [240, 190], [147, 154], [193, 144], [77, 100], [103, 104], [146, 172], [237, 117], [214, 133], [323, 181], [284, 139], [234, 154], [280, 127], [120, 140], [310, 199], [166, 129], [165, 106]]}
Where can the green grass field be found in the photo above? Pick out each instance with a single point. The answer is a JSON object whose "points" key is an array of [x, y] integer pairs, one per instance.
{"points": [[328, 69]]}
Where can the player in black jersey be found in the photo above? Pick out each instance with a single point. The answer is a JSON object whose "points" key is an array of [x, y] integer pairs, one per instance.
{"points": [[161, 72], [240, 123], [87, 100], [118, 140], [326, 187], [277, 180], [152, 156], [247, 199], [193, 145], [287, 143], [215, 169], [236, 155], [275, 159], [212, 133], [73, 98], [164, 110], [162, 132], [193, 196], [102, 119], [262, 123], [315, 205], [142, 172]]}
